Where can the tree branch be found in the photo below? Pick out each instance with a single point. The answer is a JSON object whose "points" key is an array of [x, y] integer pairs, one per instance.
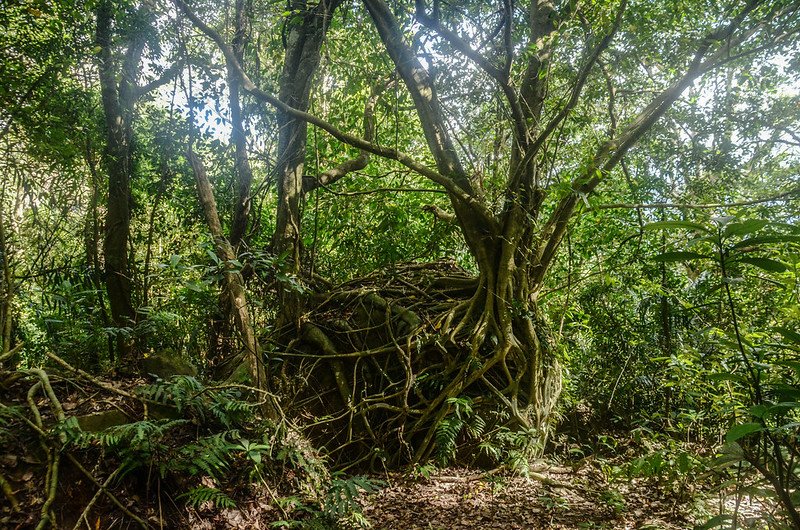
{"points": [[791, 195], [423, 92], [167, 76], [612, 151], [330, 176], [577, 89], [500, 75], [393, 154]]}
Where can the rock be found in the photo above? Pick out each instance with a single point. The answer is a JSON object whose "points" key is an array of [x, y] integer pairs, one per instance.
{"points": [[167, 363], [102, 420]]}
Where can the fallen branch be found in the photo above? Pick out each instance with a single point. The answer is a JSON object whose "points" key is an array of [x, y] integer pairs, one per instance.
{"points": [[107, 493]]}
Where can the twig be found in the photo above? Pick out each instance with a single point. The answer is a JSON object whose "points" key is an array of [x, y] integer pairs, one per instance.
{"points": [[107, 493], [88, 507], [58, 410]]}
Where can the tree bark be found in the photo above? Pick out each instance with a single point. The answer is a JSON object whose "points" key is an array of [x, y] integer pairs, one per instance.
{"points": [[234, 286], [118, 98]]}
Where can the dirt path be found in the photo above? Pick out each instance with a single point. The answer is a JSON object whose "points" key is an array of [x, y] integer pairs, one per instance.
{"points": [[461, 499]]}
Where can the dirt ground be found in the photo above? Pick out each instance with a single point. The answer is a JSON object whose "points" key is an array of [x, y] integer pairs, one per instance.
{"points": [[461, 499]]}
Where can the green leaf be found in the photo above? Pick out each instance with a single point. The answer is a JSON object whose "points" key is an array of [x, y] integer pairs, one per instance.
{"points": [[661, 225], [786, 392], [788, 335], [715, 522], [740, 431], [782, 408], [683, 463], [726, 377], [769, 265], [760, 240], [745, 227], [668, 257]]}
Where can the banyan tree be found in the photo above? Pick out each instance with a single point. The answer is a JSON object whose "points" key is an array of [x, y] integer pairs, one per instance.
{"points": [[522, 111]]}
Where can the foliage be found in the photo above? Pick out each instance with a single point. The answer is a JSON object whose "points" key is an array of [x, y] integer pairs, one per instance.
{"points": [[212, 440], [654, 229], [761, 376]]}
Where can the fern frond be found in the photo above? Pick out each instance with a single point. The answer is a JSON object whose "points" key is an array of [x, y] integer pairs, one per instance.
{"points": [[199, 495]]}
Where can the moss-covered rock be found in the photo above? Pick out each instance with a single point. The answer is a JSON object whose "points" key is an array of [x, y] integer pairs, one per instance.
{"points": [[167, 363]]}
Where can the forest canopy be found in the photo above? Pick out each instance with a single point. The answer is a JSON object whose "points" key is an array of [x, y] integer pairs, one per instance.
{"points": [[429, 231]]}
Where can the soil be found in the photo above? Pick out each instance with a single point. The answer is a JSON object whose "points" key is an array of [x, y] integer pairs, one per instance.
{"points": [[458, 499]]}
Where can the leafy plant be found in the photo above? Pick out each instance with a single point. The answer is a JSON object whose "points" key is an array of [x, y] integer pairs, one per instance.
{"points": [[764, 434], [342, 500], [462, 418]]}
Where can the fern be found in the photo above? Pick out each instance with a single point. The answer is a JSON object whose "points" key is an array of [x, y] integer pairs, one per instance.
{"points": [[462, 418], [342, 500], [197, 496], [216, 439], [211, 455], [446, 435], [191, 398]]}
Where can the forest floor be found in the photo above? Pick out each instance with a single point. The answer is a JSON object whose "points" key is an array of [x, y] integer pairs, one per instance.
{"points": [[571, 494], [446, 499], [456, 499], [466, 499]]}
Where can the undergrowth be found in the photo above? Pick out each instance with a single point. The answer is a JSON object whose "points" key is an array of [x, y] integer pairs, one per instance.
{"points": [[206, 447]]}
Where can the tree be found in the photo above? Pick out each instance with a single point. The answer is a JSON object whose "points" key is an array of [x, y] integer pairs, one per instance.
{"points": [[547, 70], [120, 93]]}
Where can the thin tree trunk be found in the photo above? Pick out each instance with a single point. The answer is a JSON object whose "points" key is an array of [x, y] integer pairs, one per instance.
{"points": [[92, 245], [6, 289], [233, 284], [166, 176], [244, 174]]}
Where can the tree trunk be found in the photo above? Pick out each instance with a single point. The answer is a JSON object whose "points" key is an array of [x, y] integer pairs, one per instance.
{"points": [[244, 174], [6, 288], [303, 44], [92, 245], [233, 286], [118, 98]]}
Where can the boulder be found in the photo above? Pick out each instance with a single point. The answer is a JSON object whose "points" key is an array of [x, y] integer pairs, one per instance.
{"points": [[167, 363]]}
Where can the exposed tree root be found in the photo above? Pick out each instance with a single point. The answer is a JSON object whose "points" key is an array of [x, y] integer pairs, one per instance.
{"points": [[8, 492], [383, 362], [42, 424]]}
